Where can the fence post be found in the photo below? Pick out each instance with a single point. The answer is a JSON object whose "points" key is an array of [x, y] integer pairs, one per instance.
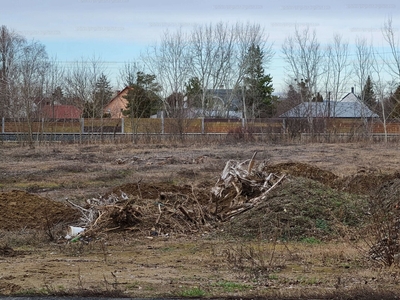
{"points": [[122, 125], [202, 125], [162, 122], [83, 125], [2, 125]]}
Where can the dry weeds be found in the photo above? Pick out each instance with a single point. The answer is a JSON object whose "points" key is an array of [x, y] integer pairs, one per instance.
{"points": [[215, 261]]}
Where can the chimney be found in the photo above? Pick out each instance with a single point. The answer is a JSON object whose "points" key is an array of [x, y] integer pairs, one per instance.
{"points": [[352, 89]]}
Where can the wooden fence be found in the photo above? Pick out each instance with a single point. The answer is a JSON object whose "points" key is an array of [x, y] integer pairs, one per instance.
{"points": [[142, 126], [291, 127]]}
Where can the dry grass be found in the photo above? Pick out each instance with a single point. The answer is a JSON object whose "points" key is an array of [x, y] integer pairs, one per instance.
{"points": [[208, 263]]}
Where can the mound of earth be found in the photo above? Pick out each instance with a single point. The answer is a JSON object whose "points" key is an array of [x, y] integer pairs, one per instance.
{"points": [[301, 208], [19, 209], [365, 182], [303, 170], [311, 203], [388, 194]]}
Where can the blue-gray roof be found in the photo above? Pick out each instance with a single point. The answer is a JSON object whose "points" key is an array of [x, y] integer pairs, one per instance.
{"points": [[348, 107]]}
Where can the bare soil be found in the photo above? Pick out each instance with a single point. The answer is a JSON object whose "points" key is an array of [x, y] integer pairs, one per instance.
{"points": [[304, 241]]}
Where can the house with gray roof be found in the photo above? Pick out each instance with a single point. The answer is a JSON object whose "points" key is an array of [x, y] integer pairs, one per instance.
{"points": [[350, 106]]}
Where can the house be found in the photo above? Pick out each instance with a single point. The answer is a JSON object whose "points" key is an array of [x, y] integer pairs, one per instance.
{"points": [[117, 104], [350, 106], [59, 111], [220, 103], [227, 98]]}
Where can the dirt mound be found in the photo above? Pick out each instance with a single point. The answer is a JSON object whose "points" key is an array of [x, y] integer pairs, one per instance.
{"points": [[19, 209], [364, 182], [301, 208], [303, 170], [312, 203], [388, 194]]}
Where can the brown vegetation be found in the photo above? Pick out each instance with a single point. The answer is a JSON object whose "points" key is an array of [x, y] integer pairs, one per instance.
{"points": [[159, 230]]}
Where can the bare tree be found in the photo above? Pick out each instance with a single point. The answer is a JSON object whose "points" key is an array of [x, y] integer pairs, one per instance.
{"points": [[54, 78], [338, 68], [32, 70], [11, 45], [381, 92], [394, 44], [128, 73], [211, 47], [363, 67], [212, 56], [81, 79], [304, 56], [169, 61], [363, 63]]}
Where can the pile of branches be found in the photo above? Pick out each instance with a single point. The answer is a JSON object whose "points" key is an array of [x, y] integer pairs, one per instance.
{"points": [[171, 212], [241, 187]]}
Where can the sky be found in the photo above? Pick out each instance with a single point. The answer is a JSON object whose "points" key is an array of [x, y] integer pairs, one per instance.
{"points": [[117, 31]]}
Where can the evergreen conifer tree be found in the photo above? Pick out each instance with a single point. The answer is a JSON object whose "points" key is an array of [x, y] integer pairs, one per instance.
{"points": [[258, 85], [143, 100], [368, 95]]}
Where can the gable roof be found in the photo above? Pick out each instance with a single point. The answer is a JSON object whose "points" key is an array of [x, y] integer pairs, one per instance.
{"points": [[117, 104], [349, 106], [61, 112], [350, 97]]}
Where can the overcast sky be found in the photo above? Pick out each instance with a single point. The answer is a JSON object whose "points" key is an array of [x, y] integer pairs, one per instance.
{"points": [[117, 30]]}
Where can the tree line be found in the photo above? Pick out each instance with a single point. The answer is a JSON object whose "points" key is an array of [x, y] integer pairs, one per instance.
{"points": [[180, 74]]}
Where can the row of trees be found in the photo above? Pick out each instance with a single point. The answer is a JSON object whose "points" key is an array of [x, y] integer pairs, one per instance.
{"points": [[181, 73], [316, 72], [176, 75]]}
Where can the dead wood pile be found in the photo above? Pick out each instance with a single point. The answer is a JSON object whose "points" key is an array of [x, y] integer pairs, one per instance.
{"points": [[169, 213], [240, 187]]}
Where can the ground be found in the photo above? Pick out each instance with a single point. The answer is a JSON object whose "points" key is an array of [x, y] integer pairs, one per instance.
{"points": [[303, 240]]}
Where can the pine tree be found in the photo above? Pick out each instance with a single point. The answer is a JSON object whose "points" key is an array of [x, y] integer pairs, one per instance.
{"points": [[143, 100], [368, 95], [101, 95], [193, 92], [258, 85]]}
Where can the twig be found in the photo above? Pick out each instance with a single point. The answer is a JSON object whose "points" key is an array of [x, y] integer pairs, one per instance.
{"points": [[251, 164]]}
